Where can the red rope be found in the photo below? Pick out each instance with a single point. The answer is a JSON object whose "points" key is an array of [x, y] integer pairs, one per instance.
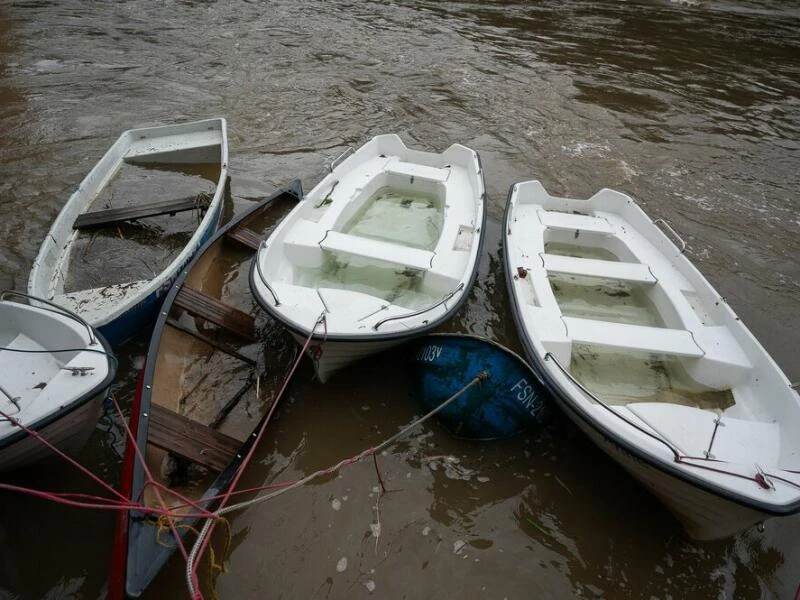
{"points": [[249, 456], [36, 435]]}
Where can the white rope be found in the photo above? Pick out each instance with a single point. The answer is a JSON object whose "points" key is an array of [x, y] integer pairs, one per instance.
{"points": [[259, 499]]}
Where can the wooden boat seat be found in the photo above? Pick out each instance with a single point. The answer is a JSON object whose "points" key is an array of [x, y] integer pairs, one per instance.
{"points": [[219, 313], [113, 216], [245, 236], [189, 439], [623, 336], [559, 220], [607, 269], [413, 258]]}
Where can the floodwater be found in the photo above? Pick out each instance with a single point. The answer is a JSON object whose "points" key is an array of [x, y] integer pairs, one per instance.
{"points": [[693, 107]]}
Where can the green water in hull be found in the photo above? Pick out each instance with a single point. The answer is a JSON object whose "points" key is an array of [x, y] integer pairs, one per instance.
{"points": [[620, 378], [400, 217], [604, 300], [395, 285]]}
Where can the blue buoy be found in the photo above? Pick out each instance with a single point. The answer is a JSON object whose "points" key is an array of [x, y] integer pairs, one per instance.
{"points": [[508, 402]]}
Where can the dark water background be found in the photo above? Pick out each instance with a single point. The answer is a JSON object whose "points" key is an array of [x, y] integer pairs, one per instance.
{"points": [[691, 107]]}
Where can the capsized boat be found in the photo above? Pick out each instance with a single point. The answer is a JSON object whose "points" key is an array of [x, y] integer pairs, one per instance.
{"points": [[56, 373], [207, 383], [384, 248], [508, 401], [133, 223], [650, 361]]}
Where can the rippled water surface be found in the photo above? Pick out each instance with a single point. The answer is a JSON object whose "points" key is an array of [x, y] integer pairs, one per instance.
{"points": [[692, 107]]}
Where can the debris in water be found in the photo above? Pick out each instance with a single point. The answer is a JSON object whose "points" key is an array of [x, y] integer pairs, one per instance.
{"points": [[336, 504], [426, 530], [375, 489], [483, 479], [376, 529], [458, 545], [370, 585], [341, 566]]}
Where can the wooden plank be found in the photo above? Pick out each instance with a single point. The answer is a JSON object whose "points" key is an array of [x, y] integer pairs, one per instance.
{"points": [[246, 236], [221, 346], [113, 216], [219, 313], [189, 439], [231, 404]]}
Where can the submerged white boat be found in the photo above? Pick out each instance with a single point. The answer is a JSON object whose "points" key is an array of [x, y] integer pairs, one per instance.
{"points": [[136, 219], [384, 248], [649, 361], [56, 371]]}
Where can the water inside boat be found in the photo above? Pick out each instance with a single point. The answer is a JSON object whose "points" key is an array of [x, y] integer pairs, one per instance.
{"points": [[394, 215], [605, 300], [617, 377], [402, 287], [620, 378], [199, 380], [136, 250], [401, 217]]}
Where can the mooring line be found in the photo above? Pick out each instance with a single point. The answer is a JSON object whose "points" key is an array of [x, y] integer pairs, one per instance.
{"points": [[191, 577]]}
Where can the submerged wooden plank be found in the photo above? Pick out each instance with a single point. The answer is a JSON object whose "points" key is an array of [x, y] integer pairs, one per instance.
{"points": [[246, 236], [112, 216], [219, 345], [219, 313], [189, 439]]}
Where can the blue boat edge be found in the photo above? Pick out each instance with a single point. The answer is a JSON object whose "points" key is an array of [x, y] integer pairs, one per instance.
{"points": [[510, 401]]}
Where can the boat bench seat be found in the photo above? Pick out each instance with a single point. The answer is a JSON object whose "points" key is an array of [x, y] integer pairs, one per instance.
{"points": [[413, 258], [417, 170], [623, 336], [559, 220], [590, 267]]}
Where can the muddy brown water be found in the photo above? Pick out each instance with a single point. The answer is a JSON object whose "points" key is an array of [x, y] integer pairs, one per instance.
{"points": [[692, 107]]}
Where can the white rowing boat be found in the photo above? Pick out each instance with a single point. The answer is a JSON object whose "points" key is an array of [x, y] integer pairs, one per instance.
{"points": [[136, 219], [384, 248], [56, 371], [649, 361]]}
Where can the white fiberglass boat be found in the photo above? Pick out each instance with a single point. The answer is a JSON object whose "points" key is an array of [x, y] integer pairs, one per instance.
{"points": [[56, 371], [384, 248], [649, 361], [133, 223]]}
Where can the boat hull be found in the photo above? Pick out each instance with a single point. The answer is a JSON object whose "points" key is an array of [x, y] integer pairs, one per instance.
{"points": [[119, 311], [332, 356], [141, 551], [707, 444], [68, 433], [704, 515], [386, 247], [509, 400], [56, 374]]}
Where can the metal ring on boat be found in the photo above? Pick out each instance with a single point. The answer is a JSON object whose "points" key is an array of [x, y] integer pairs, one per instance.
{"points": [[672, 231], [59, 309], [261, 273], [419, 312], [551, 356]]}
